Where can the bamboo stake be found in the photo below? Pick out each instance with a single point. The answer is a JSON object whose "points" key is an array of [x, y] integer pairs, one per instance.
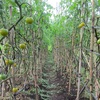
{"points": [[91, 53], [80, 53], [11, 40]]}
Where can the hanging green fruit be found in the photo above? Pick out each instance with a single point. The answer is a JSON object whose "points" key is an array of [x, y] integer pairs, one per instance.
{"points": [[4, 32], [29, 20]]}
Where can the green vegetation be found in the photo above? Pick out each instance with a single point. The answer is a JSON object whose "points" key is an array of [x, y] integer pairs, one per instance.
{"points": [[46, 56]]}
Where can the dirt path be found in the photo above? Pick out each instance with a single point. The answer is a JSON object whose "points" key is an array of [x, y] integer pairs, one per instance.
{"points": [[57, 82]]}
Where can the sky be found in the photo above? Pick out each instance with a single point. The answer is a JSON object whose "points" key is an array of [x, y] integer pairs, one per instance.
{"points": [[54, 3]]}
